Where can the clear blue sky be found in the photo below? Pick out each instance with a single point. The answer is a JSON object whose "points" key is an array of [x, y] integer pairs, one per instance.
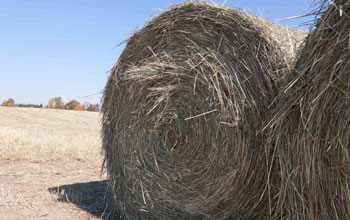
{"points": [[67, 47]]}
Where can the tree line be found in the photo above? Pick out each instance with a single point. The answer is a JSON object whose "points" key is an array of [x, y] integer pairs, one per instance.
{"points": [[56, 103]]}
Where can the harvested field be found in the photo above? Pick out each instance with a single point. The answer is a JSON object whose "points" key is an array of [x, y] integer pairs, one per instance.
{"points": [[50, 165]]}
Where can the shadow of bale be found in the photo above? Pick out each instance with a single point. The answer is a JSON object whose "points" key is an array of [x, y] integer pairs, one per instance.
{"points": [[93, 197]]}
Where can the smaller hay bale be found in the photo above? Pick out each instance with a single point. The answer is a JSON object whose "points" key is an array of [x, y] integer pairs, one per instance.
{"points": [[182, 112], [312, 125]]}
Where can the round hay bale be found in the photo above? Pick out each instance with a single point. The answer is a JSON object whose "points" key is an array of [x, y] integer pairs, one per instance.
{"points": [[312, 125], [182, 112]]}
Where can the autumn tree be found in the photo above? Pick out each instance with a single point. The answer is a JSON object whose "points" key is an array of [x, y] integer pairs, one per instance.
{"points": [[56, 103], [74, 105], [9, 103], [51, 103]]}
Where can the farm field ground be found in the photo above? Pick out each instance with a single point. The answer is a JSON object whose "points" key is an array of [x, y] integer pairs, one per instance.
{"points": [[50, 166]]}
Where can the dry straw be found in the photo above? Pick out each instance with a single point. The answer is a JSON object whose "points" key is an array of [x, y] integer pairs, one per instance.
{"points": [[312, 124], [182, 112]]}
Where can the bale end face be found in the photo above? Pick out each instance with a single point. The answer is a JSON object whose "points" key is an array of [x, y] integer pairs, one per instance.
{"points": [[182, 114]]}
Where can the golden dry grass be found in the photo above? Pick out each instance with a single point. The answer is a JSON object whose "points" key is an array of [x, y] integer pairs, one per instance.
{"points": [[48, 134], [50, 165]]}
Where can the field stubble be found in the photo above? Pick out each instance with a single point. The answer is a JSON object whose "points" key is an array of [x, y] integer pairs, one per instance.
{"points": [[50, 165], [46, 134]]}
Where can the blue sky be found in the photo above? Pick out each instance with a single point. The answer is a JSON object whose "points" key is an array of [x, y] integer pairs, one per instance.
{"points": [[66, 48]]}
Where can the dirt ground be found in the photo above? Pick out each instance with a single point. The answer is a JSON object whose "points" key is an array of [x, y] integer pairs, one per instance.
{"points": [[53, 190], [43, 182]]}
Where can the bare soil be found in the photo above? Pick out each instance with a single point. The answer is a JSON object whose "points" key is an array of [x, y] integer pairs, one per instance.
{"points": [[53, 190], [41, 183]]}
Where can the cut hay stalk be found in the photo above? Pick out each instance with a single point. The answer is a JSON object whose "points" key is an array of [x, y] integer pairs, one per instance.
{"points": [[312, 125], [182, 112]]}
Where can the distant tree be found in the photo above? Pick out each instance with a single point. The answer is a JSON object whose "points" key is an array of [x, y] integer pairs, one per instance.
{"points": [[86, 105], [74, 105], [51, 103], [9, 103], [59, 103], [79, 108], [71, 105], [56, 103], [94, 108], [30, 105]]}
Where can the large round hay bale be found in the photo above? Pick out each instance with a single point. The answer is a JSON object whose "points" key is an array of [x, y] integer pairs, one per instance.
{"points": [[312, 124], [182, 112]]}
